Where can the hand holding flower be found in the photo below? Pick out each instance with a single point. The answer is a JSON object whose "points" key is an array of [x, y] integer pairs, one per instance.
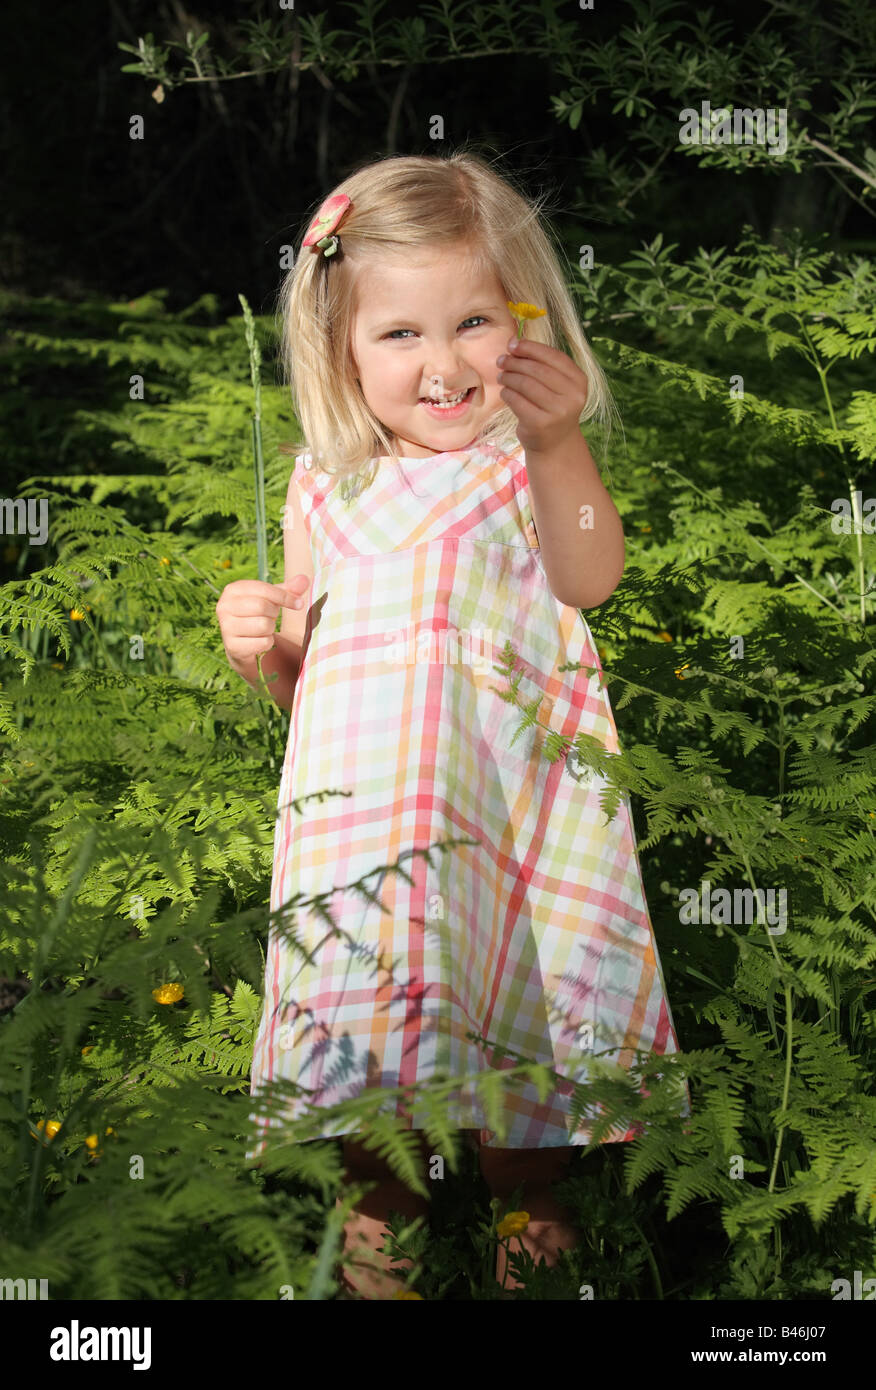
{"points": [[547, 392]]}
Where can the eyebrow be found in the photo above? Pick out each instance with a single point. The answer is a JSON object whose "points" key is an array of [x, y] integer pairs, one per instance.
{"points": [[400, 320]]}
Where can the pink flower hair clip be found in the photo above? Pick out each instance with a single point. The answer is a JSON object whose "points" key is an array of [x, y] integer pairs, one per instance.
{"points": [[327, 220]]}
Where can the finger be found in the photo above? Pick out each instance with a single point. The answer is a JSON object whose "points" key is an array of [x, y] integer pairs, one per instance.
{"points": [[523, 400], [245, 647], [536, 377], [279, 593], [253, 627], [526, 350], [294, 591], [258, 587], [251, 606]]}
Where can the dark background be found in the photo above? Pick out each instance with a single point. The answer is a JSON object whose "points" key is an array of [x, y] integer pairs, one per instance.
{"points": [[228, 171]]}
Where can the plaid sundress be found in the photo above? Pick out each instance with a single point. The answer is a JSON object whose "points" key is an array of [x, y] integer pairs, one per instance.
{"points": [[537, 936]]}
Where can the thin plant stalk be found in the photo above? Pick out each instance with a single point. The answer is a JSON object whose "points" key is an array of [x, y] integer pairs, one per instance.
{"points": [[255, 358]]}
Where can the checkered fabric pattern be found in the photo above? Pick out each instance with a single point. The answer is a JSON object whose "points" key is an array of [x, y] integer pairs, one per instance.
{"points": [[537, 934]]}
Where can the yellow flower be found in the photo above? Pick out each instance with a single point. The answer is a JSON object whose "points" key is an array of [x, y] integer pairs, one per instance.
{"points": [[646, 528], [665, 636], [86, 1050], [51, 1127], [76, 614], [679, 669], [91, 1140], [226, 564], [164, 560], [513, 1224], [522, 312], [408, 1293], [168, 994]]}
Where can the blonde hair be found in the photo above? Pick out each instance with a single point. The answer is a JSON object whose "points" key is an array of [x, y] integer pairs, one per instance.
{"points": [[399, 203]]}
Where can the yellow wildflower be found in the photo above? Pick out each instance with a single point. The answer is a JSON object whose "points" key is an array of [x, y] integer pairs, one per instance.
{"points": [[665, 636], [512, 1224], [522, 312], [168, 994], [76, 614], [164, 560], [91, 1140], [51, 1127], [226, 564], [679, 669], [86, 1050], [646, 528]]}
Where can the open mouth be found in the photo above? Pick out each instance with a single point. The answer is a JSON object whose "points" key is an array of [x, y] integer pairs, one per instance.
{"points": [[450, 404]]}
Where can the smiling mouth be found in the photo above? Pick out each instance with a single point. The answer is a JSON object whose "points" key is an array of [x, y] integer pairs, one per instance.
{"points": [[447, 401]]}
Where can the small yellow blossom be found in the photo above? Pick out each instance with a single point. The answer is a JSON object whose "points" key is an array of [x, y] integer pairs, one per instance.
{"points": [[168, 994], [164, 560], [522, 312], [408, 1293], [91, 1140], [665, 636], [86, 1050], [51, 1127], [76, 614], [679, 669], [645, 528], [226, 564], [512, 1224]]}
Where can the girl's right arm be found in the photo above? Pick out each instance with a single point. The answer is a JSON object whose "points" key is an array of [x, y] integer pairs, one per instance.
{"points": [[247, 612]]}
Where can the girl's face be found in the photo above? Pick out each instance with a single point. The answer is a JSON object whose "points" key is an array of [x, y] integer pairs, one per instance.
{"points": [[426, 333]]}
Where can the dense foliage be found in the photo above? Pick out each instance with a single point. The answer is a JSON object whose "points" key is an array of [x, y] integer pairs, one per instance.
{"points": [[139, 784]]}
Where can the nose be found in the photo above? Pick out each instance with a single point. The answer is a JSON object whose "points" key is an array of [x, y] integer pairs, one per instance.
{"points": [[445, 367]]}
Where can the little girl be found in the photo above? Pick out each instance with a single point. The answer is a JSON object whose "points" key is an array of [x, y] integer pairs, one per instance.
{"points": [[448, 505]]}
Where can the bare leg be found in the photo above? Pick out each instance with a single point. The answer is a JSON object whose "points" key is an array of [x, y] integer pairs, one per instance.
{"points": [[372, 1274], [551, 1228]]}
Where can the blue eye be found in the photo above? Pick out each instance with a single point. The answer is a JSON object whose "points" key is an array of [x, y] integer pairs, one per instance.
{"points": [[464, 321]]}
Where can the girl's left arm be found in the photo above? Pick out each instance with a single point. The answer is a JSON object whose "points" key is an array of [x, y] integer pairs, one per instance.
{"points": [[580, 533]]}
